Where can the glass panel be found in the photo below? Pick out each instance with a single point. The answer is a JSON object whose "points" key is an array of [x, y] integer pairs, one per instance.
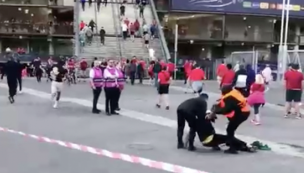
{"points": [[39, 46], [162, 5], [198, 26], [63, 47], [291, 31], [14, 44], [23, 20], [31, 2], [62, 23], [249, 28]]}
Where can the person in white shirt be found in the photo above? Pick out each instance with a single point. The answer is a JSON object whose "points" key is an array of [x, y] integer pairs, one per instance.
{"points": [[267, 74], [124, 28]]}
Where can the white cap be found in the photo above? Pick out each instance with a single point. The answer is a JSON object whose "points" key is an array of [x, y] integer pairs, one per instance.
{"points": [[8, 50]]}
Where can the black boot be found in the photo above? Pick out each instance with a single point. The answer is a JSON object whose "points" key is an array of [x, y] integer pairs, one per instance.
{"points": [[95, 111], [191, 147], [180, 145]]}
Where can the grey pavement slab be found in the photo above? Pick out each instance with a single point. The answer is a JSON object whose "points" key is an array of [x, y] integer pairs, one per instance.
{"points": [[142, 98], [74, 123]]}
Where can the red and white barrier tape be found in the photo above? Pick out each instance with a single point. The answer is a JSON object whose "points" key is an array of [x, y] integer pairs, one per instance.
{"points": [[100, 152]]}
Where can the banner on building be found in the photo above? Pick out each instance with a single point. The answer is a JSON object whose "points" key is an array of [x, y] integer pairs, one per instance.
{"points": [[261, 7]]}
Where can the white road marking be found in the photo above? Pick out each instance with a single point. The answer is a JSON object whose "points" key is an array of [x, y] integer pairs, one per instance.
{"points": [[276, 148]]}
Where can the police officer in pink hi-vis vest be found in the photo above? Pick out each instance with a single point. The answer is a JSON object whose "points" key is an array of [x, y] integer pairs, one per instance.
{"points": [[121, 84], [96, 81], [111, 88]]}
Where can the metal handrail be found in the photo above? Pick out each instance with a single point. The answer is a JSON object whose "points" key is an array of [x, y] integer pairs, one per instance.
{"points": [[161, 34], [114, 15]]}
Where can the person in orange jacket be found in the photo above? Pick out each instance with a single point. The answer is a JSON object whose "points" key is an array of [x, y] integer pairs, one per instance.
{"points": [[234, 106]]}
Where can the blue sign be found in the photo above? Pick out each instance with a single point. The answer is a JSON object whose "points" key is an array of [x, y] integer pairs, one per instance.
{"points": [[262, 7]]}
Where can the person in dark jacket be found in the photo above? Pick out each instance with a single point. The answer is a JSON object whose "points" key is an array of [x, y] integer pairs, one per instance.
{"points": [[250, 78], [156, 69], [132, 71], [240, 80], [140, 72], [11, 71], [102, 34]]}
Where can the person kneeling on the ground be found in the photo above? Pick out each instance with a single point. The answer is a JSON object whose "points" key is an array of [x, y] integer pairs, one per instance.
{"points": [[194, 112], [234, 106]]}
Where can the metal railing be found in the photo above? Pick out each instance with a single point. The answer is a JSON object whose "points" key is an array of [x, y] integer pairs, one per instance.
{"points": [[24, 28], [162, 39], [117, 23]]}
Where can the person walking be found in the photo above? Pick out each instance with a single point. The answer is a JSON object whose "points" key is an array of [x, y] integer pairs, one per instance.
{"points": [[58, 74], [122, 9], [102, 34], [98, 2], [256, 99], [156, 69], [163, 88], [111, 88], [124, 29], [132, 71], [141, 10], [96, 79], [83, 4], [11, 71]]}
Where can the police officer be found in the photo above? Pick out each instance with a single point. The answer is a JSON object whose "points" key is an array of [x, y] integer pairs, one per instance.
{"points": [[194, 112]]}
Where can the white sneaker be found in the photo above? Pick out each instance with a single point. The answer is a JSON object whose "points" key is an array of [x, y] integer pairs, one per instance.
{"points": [[20, 92], [55, 105]]}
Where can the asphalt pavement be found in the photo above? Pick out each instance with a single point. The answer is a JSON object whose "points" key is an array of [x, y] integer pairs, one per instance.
{"points": [[141, 130]]}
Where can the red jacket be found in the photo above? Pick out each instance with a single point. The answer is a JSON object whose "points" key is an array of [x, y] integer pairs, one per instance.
{"points": [[227, 78], [171, 67]]}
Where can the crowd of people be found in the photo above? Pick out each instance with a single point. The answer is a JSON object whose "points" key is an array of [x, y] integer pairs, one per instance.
{"points": [[241, 88], [253, 85]]}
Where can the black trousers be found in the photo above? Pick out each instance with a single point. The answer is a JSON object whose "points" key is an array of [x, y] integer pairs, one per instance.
{"points": [[140, 77], [111, 99], [132, 77], [83, 6], [12, 86], [19, 79], [96, 94], [98, 6], [233, 124], [182, 117]]}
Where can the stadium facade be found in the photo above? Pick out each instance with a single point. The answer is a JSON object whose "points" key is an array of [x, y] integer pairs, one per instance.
{"points": [[215, 28], [40, 27]]}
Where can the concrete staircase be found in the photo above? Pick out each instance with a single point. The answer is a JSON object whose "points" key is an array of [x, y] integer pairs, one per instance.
{"points": [[96, 49], [136, 48], [105, 19]]}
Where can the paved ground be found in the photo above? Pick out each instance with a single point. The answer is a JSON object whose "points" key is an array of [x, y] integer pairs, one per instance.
{"points": [[141, 130]]}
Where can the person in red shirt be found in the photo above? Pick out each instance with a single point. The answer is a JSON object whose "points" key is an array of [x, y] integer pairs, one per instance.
{"points": [[82, 24], [293, 79], [227, 77], [71, 69], [163, 87], [221, 70], [171, 68], [196, 76], [187, 70], [83, 68]]}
